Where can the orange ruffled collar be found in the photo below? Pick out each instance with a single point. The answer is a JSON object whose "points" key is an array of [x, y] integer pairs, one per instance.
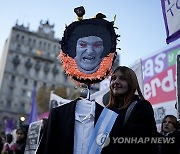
{"points": [[70, 67]]}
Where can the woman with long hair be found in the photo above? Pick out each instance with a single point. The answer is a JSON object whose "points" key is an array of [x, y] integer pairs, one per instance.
{"points": [[135, 126]]}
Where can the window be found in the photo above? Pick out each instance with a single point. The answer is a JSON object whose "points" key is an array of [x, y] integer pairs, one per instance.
{"points": [[8, 104], [35, 83], [34, 43], [29, 41], [28, 63], [48, 54], [16, 61], [17, 37], [46, 68], [37, 66], [18, 47], [55, 70], [1, 103], [22, 39], [11, 89], [22, 106], [40, 44], [30, 49], [25, 81], [23, 92], [13, 79], [49, 46], [44, 47]]}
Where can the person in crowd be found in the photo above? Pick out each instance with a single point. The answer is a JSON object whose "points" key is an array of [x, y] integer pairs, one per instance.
{"points": [[19, 146], [7, 145], [88, 50], [170, 129], [135, 124], [2, 141]]}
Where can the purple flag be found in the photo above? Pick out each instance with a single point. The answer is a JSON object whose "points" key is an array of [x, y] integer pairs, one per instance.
{"points": [[9, 125], [33, 115]]}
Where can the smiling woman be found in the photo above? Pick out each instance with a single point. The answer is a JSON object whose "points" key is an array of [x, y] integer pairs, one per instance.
{"points": [[88, 49]]}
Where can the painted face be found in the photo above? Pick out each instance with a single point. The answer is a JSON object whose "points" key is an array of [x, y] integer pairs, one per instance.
{"points": [[118, 84], [88, 53], [168, 125]]}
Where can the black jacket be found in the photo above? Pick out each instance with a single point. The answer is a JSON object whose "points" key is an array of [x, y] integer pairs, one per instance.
{"points": [[58, 136], [172, 147]]}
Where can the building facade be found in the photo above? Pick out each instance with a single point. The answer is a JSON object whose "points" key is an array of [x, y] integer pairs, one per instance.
{"points": [[28, 59]]}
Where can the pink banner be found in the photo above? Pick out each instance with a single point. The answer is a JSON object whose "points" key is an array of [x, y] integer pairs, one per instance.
{"points": [[162, 87], [159, 75]]}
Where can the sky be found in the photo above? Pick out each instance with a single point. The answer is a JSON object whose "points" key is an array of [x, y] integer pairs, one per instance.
{"points": [[140, 22]]}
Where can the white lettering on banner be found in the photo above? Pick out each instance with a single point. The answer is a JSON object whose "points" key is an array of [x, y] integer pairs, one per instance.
{"points": [[159, 62], [148, 70], [150, 67], [155, 83], [167, 84], [168, 79]]}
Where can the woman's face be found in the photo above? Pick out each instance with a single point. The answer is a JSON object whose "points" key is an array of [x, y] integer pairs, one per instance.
{"points": [[118, 84], [88, 53], [168, 125]]}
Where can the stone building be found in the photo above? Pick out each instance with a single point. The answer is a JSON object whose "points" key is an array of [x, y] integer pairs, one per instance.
{"points": [[28, 59]]}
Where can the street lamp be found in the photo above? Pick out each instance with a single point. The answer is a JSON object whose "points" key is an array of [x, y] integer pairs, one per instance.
{"points": [[21, 121], [22, 118]]}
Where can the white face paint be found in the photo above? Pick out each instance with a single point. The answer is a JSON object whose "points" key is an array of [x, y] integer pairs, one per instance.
{"points": [[88, 53]]}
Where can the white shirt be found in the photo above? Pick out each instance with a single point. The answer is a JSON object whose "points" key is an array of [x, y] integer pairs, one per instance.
{"points": [[84, 125]]}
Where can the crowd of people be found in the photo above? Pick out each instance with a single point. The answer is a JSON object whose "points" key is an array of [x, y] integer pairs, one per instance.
{"points": [[126, 125], [135, 119], [14, 144]]}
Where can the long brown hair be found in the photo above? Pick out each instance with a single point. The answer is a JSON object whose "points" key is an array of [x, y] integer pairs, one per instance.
{"points": [[133, 86]]}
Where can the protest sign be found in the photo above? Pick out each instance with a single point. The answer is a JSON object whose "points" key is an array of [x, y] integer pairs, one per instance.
{"points": [[33, 137]]}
